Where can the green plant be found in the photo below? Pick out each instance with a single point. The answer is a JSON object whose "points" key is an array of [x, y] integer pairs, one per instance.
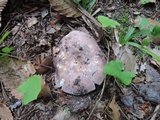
{"points": [[4, 36], [6, 50], [31, 88], [133, 34], [115, 68], [86, 4], [145, 1]]}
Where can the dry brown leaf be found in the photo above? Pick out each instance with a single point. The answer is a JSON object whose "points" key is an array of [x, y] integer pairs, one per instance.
{"points": [[115, 109], [116, 48], [153, 22], [17, 94], [128, 59], [13, 72], [138, 79], [31, 21], [5, 113], [44, 66], [45, 91], [65, 7]]}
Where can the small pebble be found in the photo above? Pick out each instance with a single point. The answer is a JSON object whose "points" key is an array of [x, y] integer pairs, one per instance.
{"points": [[15, 105], [140, 99], [127, 100]]}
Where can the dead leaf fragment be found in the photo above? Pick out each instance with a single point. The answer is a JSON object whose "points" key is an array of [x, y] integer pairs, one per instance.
{"points": [[128, 59], [115, 109], [138, 79], [5, 113], [31, 21], [16, 28], [45, 91], [65, 7], [153, 22], [17, 94], [44, 66]]}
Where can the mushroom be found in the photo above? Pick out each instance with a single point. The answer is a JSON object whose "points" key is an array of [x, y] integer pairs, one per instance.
{"points": [[79, 63]]}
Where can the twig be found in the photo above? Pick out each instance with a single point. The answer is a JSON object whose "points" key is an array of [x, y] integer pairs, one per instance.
{"points": [[123, 113], [102, 91], [14, 57], [155, 112], [4, 92]]}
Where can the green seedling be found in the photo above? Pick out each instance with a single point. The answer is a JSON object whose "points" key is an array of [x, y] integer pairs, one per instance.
{"points": [[5, 50], [4, 36], [86, 4], [31, 88], [144, 29], [115, 68], [145, 42]]}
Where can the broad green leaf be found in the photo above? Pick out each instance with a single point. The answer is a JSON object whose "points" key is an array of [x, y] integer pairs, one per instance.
{"points": [[31, 88], [114, 68], [106, 22], [4, 36], [144, 49], [7, 49], [145, 1], [126, 77], [144, 23]]}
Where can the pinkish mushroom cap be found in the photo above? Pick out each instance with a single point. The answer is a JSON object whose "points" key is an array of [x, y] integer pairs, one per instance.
{"points": [[79, 63]]}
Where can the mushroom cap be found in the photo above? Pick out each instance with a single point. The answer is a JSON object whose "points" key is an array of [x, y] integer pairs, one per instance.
{"points": [[79, 63]]}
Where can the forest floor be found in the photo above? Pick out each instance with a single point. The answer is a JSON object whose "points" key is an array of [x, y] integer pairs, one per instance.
{"points": [[36, 28]]}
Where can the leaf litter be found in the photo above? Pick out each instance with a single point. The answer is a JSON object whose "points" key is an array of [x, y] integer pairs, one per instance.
{"points": [[33, 41]]}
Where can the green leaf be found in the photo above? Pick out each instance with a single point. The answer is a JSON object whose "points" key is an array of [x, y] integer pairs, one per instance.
{"points": [[31, 88], [145, 1], [144, 23], [90, 5], [114, 68], [126, 77], [106, 22], [7, 49], [4, 36], [143, 32], [128, 35], [84, 4], [146, 41], [144, 49], [155, 31], [76, 1]]}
